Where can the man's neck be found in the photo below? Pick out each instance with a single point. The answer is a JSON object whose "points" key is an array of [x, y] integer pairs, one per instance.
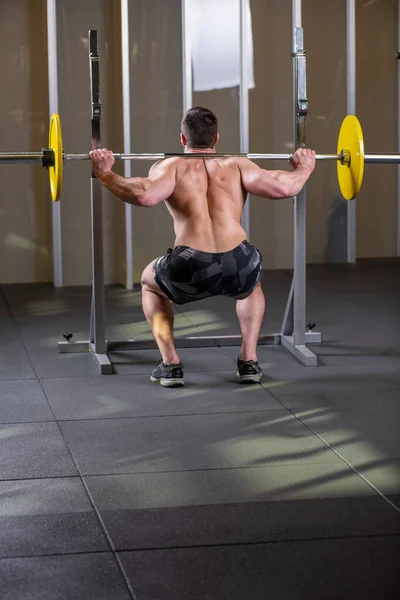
{"points": [[199, 150]]}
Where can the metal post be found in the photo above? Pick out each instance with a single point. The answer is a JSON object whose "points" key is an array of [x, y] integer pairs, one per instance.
{"points": [[187, 88], [293, 332], [98, 291], [126, 125], [97, 335], [351, 110], [398, 121], [244, 98], [53, 108], [301, 107]]}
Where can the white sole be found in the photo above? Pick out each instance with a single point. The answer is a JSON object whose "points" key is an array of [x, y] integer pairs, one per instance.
{"points": [[248, 378], [178, 382]]}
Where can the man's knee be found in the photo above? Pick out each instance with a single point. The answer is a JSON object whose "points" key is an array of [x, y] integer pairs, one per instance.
{"points": [[256, 291], [148, 281], [147, 278], [144, 280], [149, 284]]}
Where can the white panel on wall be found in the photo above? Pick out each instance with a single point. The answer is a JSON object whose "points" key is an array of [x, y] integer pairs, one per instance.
{"points": [[214, 34]]}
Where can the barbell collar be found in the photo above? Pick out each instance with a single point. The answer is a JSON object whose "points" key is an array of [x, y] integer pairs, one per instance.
{"points": [[48, 157]]}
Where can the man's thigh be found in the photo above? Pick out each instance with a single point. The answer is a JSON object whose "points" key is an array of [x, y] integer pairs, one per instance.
{"points": [[148, 279]]}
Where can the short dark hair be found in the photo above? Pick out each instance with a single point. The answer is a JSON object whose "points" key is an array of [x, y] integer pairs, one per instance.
{"points": [[200, 127]]}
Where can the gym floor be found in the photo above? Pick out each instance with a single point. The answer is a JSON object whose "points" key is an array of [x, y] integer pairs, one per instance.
{"points": [[114, 488]]}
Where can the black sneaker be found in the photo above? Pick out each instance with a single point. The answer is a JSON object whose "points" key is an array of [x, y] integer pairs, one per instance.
{"points": [[248, 371], [168, 375]]}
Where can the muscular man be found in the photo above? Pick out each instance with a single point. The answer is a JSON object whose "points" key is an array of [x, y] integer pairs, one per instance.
{"points": [[211, 255]]}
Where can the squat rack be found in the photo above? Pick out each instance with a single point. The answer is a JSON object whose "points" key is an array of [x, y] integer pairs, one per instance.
{"points": [[293, 335]]}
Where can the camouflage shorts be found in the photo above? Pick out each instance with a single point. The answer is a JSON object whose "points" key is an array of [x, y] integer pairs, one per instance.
{"points": [[186, 275]]}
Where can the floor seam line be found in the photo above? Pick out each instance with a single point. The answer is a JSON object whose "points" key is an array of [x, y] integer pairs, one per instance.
{"points": [[167, 416], [216, 545], [14, 321], [261, 543], [326, 443], [93, 504]]}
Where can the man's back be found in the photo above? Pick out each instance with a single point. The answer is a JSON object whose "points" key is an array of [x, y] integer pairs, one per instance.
{"points": [[207, 203], [212, 257]]}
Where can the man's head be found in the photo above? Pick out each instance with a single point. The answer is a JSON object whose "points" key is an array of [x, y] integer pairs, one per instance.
{"points": [[199, 128]]}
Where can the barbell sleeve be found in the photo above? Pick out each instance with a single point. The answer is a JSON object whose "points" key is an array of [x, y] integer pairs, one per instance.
{"points": [[20, 157], [382, 158]]}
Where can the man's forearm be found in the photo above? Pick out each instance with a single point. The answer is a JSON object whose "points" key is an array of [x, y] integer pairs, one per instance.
{"points": [[131, 190], [294, 180]]}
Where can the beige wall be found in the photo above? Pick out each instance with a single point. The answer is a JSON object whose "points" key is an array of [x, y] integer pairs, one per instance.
{"points": [[74, 19], [377, 102], [156, 111], [325, 41], [271, 124], [156, 107], [25, 228]]}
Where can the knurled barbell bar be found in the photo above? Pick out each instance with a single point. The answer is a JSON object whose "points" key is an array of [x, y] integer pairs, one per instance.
{"points": [[350, 157]]}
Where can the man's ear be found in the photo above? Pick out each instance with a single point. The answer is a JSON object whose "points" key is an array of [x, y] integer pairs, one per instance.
{"points": [[183, 140], [216, 139]]}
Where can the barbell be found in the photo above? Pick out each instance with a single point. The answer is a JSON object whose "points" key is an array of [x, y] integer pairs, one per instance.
{"points": [[350, 157]]}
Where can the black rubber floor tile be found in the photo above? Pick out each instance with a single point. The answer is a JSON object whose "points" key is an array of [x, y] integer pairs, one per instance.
{"points": [[77, 577], [254, 523], [312, 481], [395, 499], [128, 326], [43, 299], [47, 516], [46, 333], [9, 332], [356, 349], [323, 379], [49, 363], [357, 400], [136, 396], [270, 504], [193, 359], [23, 401], [135, 362], [392, 374], [364, 568], [333, 316], [14, 361], [217, 316], [361, 436], [156, 444], [383, 474], [33, 450]]}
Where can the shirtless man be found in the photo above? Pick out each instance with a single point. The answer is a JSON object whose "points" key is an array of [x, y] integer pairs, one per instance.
{"points": [[211, 255]]}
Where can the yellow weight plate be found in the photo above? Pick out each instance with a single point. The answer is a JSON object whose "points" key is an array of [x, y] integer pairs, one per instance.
{"points": [[351, 143], [56, 171]]}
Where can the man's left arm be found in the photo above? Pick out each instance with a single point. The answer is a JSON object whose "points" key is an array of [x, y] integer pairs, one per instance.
{"points": [[139, 191]]}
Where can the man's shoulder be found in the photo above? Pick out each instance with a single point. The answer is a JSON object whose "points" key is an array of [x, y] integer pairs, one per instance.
{"points": [[165, 163], [242, 162]]}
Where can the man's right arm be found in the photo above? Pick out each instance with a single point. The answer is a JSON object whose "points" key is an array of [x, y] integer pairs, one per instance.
{"points": [[278, 184]]}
